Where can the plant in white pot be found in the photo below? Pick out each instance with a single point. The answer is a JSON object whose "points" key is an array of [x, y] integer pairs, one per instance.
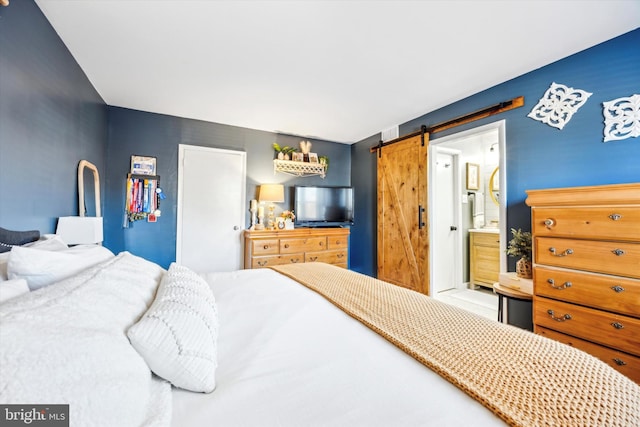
{"points": [[520, 246]]}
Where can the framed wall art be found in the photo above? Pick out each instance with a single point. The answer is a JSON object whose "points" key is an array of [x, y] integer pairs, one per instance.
{"points": [[473, 176]]}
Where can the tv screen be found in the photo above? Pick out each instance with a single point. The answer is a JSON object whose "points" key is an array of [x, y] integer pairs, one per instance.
{"points": [[317, 206]]}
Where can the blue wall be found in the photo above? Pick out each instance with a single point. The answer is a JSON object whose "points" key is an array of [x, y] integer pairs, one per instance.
{"points": [[51, 117], [537, 155], [148, 134]]}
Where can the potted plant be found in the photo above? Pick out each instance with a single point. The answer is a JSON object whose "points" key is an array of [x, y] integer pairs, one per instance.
{"points": [[283, 153], [520, 246], [288, 216], [324, 160]]}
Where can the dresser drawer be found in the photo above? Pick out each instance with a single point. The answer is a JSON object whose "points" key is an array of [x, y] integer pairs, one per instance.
{"points": [[337, 242], [330, 257], [612, 330], [624, 363], [608, 223], [606, 292], [268, 261], [264, 247], [621, 259], [303, 245]]}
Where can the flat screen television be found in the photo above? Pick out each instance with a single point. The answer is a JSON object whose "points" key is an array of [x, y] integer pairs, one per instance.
{"points": [[323, 206]]}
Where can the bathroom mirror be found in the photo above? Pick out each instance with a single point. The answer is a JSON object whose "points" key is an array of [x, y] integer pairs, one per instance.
{"points": [[494, 185]]}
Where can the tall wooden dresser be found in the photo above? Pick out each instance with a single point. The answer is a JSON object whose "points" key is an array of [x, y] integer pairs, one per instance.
{"points": [[586, 255], [265, 248]]}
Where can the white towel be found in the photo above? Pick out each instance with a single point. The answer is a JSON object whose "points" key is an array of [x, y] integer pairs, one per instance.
{"points": [[478, 204]]}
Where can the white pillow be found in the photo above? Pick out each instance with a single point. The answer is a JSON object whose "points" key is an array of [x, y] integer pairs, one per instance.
{"points": [[4, 260], [47, 242], [42, 267], [177, 336], [12, 288]]}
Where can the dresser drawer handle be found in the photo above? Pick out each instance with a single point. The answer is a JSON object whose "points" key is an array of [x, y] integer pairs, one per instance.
{"points": [[617, 325], [294, 260], [618, 252], [262, 263], [618, 288], [549, 223], [265, 247], [286, 246], [313, 258], [559, 319], [340, 255], [615, 217], [565, 285], [565, 253], [619, 362]]}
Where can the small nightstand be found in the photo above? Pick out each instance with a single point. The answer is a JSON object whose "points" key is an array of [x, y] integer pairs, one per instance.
{"points": [[517, 292]]}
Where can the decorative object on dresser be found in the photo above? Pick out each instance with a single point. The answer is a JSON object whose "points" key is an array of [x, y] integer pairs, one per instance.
{"points": [[586, 270], [271, 193], [520, 246], [268, 248]]}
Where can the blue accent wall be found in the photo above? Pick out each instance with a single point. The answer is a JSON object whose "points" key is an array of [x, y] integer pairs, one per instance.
{"points": [[149, 134], [51, 117], [537, 155]]}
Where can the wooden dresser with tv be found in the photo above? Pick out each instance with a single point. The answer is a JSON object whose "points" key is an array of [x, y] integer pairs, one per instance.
{"points": [[586, 255], [265, 248]]}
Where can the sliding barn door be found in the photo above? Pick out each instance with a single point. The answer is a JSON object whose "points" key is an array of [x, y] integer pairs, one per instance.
{"points": [[403, 239]]}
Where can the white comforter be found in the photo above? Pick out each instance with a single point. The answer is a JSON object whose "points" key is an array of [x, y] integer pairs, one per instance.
{"points": [[67, 344], [287, 357]]}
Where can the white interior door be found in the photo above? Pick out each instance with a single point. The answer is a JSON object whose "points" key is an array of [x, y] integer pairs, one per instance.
{"points": [[211, 208], [445, 231]]}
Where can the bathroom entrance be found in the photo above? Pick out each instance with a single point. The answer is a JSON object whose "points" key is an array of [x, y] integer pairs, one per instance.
{"points": [[463, 199]]}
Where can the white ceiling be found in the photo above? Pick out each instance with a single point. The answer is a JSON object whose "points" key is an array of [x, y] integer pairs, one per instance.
{"points": [[335, 70]]}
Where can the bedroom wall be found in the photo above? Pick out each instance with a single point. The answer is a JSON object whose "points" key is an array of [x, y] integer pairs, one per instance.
{"points": [[51, 117], [149, 134], [537, 155]]}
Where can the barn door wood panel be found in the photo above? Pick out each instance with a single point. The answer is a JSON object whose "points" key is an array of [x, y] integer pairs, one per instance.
{"points": [[403, 240]]}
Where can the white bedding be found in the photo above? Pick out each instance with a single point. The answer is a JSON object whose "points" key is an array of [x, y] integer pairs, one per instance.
{"points": [[67, 344], [288, 357]]}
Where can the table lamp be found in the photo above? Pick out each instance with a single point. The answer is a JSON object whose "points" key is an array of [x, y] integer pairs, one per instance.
{"points": [[271, 193]]}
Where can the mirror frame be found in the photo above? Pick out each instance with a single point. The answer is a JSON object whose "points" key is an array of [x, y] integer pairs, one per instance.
{"points": [[96, 182]]}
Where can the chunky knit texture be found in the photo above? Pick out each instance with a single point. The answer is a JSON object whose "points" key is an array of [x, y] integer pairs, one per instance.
{"points": [[525, 379]]}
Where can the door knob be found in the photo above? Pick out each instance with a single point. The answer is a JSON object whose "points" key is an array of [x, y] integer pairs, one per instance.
{"points": [[453, 228], [235, 227]]}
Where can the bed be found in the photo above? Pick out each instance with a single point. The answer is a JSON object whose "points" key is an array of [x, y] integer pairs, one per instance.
{"points": [[124, 342]]}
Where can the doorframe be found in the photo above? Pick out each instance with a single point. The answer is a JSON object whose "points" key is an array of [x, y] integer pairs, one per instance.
{"points": [[457, 211], [181, 152], [500, 126]]}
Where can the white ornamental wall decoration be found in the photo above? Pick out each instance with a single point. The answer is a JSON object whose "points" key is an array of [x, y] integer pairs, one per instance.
{"points": [[558, 104], [621, 118]]}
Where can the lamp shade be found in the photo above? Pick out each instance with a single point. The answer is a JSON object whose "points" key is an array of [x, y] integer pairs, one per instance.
{"points": [[80, 230], [271, 193]]}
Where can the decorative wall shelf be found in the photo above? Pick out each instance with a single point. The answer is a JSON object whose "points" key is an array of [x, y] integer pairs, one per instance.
{"points": [[299, 168]]}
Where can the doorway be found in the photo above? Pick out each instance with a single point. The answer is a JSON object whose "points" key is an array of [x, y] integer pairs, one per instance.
{"points": [[483, 147], [211, 208], [446, 221]]}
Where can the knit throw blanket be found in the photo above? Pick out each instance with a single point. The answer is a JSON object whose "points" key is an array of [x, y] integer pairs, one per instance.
{"points": [[525, 379]]}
